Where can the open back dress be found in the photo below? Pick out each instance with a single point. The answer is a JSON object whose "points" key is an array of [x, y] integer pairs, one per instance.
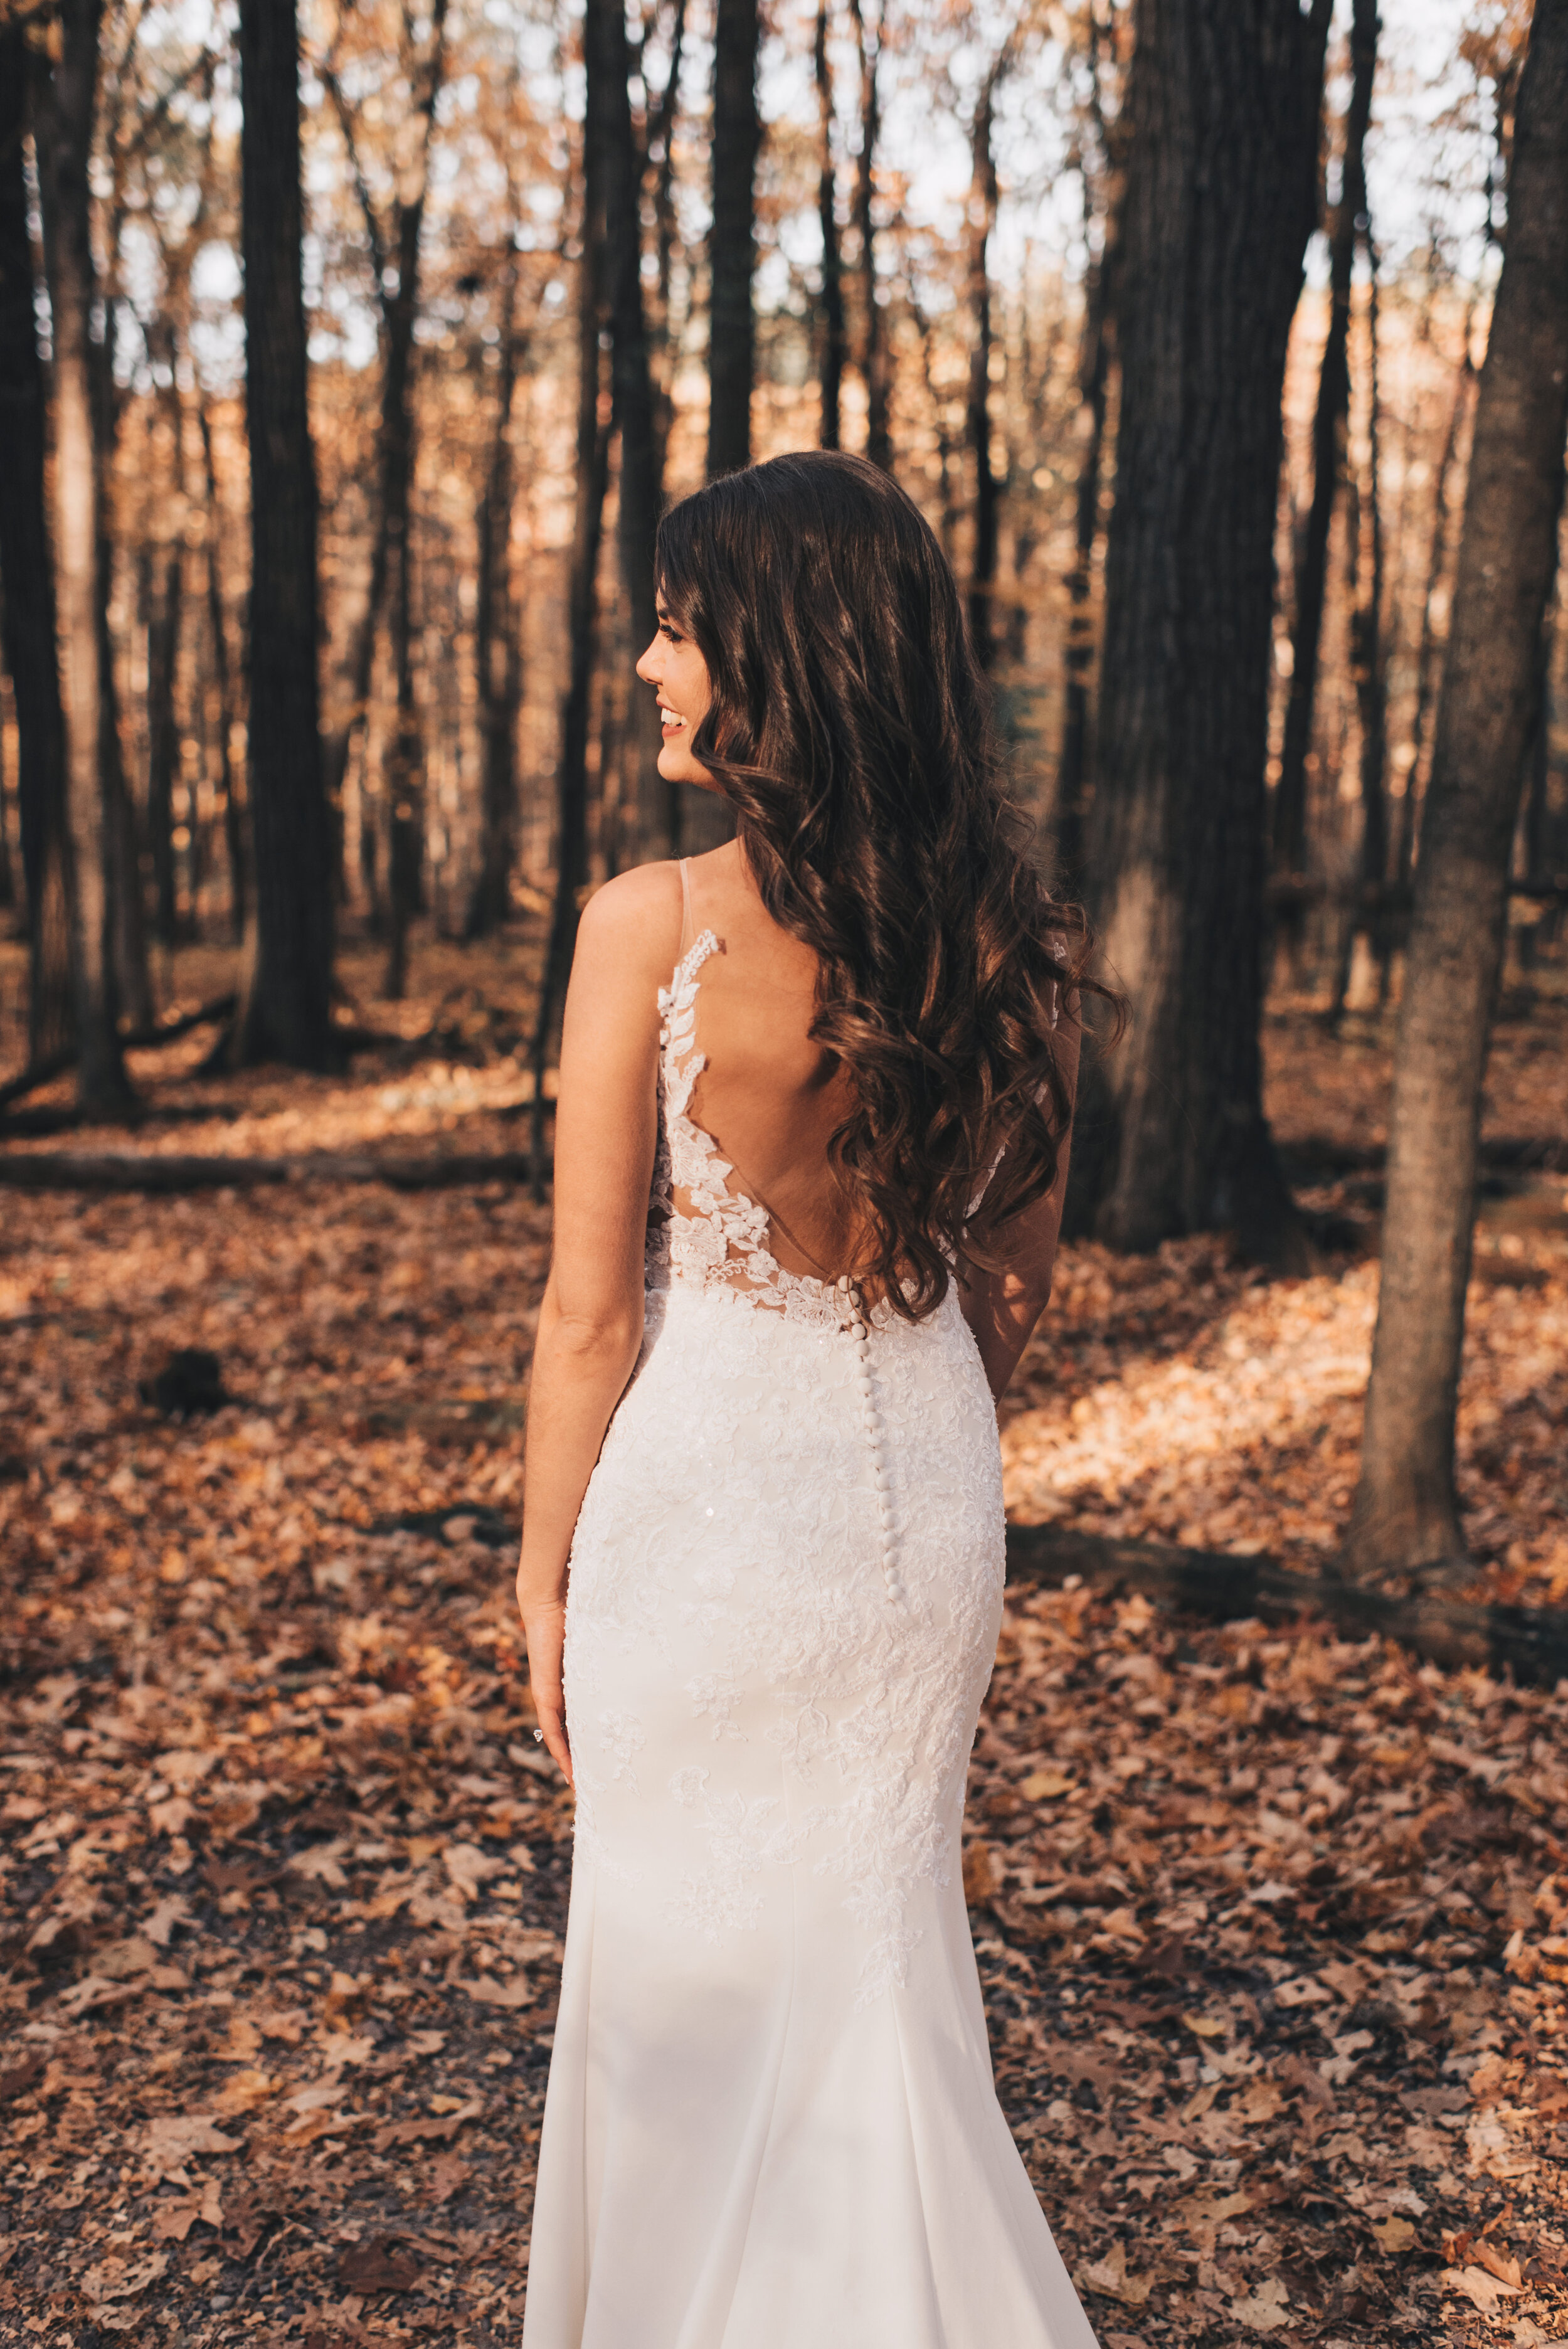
{"points": [[771, 2122]]}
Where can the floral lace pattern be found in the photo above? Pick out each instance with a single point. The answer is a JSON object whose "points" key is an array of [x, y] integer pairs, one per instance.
{"points": [[748, 1710], [699, 1230]]}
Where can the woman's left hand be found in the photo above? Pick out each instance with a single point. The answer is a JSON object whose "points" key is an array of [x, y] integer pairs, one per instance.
{"points": [[544, 1629]]}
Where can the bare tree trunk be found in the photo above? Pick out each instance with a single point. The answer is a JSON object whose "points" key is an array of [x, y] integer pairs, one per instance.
{"points": [[657, 802], [497, 649], [339, 740], [68, 105], [1437, 570], [1406, 1516], [1328, 444], [404, 759], [987, 488], [406, 755], [661, 144], [28, 604], [571, 778], [289, 1014], [163, 734], [124, 879], [1367, 915], [228, 781], [1223, 104], [395, 255], [732, 241], [873, 348], [1096, 352], [834, 347], [1367, 635]]}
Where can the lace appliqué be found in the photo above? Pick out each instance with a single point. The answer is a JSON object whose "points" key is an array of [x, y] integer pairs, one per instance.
{"points": [[717, 1238]]}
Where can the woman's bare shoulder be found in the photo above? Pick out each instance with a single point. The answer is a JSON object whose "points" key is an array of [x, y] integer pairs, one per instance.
{"points": [[634, 919]]}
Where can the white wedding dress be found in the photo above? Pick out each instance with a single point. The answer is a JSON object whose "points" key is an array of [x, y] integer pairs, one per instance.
{"points": [[771, 2121]]}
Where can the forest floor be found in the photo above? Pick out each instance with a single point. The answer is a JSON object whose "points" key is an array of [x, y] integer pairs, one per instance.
{"points": [[1274, 1929]]}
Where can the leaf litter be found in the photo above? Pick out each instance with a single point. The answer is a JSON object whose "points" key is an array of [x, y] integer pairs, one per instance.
{"points": [[1272, 1932]]}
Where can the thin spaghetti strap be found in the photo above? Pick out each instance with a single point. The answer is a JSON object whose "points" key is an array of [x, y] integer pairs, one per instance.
{"points": [[688, 927]]}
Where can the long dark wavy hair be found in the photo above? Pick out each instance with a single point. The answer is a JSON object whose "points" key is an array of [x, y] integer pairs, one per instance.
{"points": [[851, 728]]}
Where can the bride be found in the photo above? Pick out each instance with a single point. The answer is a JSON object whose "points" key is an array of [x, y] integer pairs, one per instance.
{"points": [[811, 1148]]}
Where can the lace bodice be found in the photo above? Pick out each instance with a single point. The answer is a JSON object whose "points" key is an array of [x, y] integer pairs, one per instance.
{"points": [[702, 1232]]}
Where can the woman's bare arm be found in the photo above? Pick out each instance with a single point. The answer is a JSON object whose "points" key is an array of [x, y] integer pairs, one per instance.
{"points": [[1002, 1308], [590, 1321]]}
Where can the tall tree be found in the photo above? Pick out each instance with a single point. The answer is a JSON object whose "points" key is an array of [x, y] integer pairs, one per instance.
{"points": [[834, 347], [67, 106], [395, 250], [873, 341], [234, 826], [1097, 349], [661, 152], [732, 241], [406, 755], [1329, 431], [632, 391], [1406, 1516], [1426, 663], [498, 639], [27, 592], [581, 613], [164, 596], [1223, 106], [1364, 580], [987, 488], [288, 1016]]}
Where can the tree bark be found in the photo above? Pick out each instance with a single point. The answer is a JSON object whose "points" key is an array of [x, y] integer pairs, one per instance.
{"points": [[228, 781], [732, 241], [406, 752], [658, 802], [1405, 1514], [1367, 915], [289, 1015], [1096, 352], [498, 645], [834, 346], [394, 256], [28, 586], [1329, 431], [662, 147], [1223, 106], [163, 734], [1427, 664], [1366, 654], [571, 776], [339, 739], [873, 347], [987, 488], [67, 106], [124, 878]]}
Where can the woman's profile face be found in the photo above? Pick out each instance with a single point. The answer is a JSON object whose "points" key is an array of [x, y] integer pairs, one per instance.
{"points": [[678, 673]]}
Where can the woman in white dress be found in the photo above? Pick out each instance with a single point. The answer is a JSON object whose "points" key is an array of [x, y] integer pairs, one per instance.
{"points": [[810, 1149]]}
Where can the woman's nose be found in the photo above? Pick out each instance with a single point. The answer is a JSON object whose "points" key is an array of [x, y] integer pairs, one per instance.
{"points": [[648, 666]]}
